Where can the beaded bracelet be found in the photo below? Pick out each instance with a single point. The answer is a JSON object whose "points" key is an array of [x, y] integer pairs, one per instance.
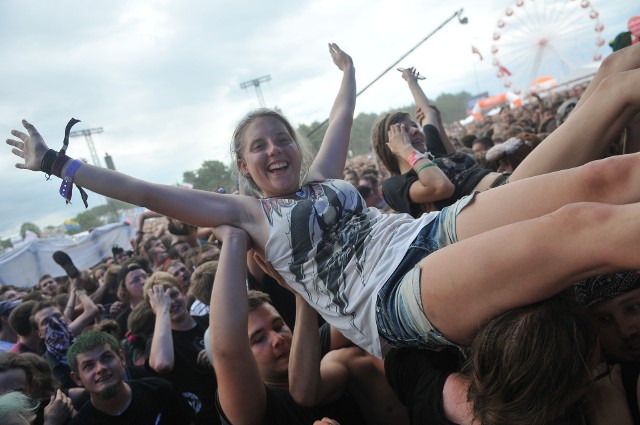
{"points": [[422, 167]]}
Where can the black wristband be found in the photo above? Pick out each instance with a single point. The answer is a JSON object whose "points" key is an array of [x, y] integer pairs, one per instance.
{"points": [[59, 162], [47, 161]]}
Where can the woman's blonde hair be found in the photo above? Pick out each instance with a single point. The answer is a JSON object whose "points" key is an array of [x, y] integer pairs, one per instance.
{"points": [[246, 183]]}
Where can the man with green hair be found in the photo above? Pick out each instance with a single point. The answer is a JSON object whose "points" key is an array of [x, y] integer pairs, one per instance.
{"points": [[97, 364]]}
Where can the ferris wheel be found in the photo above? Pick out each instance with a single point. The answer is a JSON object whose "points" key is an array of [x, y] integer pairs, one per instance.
{"points": [[536, 42]]}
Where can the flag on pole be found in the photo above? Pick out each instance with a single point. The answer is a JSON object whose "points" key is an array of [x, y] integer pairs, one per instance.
{"points": [[475, 51], [503, 70]]}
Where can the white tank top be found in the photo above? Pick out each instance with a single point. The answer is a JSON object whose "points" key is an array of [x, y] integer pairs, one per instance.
{"points": [[337, 253]]}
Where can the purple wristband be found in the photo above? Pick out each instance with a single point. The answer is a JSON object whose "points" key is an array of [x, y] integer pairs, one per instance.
{"points": [[67, 181]]}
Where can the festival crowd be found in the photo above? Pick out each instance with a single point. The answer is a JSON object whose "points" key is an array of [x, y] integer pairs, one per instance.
{"points": [[476, 274]]}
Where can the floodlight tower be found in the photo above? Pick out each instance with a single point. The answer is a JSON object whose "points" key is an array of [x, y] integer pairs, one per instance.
{"points": [[256, 83], [92, 149]]}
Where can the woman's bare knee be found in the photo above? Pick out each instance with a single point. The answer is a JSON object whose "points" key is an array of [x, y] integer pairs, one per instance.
{"points": [[602, 180]]}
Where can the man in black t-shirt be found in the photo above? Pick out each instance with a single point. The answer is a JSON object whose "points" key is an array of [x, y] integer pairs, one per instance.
{"points": [[97, 364]]}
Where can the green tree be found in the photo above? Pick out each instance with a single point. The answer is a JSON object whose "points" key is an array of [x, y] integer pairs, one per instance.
{"points": [[452, 106], [89, 219], [29, 226], [209, 176]]}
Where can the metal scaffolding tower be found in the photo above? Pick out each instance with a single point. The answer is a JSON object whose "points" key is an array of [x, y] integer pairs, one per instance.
{"points": [[87, 135], [256, 83]]}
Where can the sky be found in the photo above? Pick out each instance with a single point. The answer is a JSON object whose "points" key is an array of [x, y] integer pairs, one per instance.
{"points": [[162, 78]]}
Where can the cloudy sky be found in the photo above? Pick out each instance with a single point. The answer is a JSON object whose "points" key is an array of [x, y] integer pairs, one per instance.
{"points": [[162, 78]]}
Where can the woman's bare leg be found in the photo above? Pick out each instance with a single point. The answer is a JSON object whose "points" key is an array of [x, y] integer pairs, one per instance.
{"points": [[614, 180], [590, 129], [622, 60], [526, 262]]}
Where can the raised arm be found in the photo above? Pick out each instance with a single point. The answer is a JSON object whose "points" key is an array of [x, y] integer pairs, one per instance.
{"points": [[312, 380], [241, 391], [192, 206], [426, 111], [332, 156], [161, 356]]}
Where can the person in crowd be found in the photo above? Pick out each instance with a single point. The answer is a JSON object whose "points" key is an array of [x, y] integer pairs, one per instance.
{"points": [[8, 336], [18, 374], [97, 364], [106, 293], [510, 375], [48, 286], [57, 331], [119, 254], [156, 252], [179, 271], [20, 322], [614, 303], [347, 258], [137, 342], [131, 279], [508, 155], [482, 145], [255, 353], [417, 187], [351, 176], [201, 285], [177, 347]]}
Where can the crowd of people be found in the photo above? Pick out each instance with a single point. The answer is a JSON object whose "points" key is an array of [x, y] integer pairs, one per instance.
{"points": [[484, 277]]}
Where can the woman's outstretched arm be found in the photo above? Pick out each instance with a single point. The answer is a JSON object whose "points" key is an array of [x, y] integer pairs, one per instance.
{"points": [[200, 208], [332, 156]]}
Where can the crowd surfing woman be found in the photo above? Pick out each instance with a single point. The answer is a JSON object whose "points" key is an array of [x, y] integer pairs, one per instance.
{"points": [[416, 187], [370, 274]]}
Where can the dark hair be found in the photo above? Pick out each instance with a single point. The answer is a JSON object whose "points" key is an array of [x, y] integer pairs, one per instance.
{"points": [[380, 138], [40, 305], [44, 383], [9, 361], [88, 341], [532, 365], [20, 318], [138, 339]]}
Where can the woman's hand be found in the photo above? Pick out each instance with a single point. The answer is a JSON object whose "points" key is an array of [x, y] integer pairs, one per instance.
{"points": [[340, 58], [399, 143], [30, 147]]}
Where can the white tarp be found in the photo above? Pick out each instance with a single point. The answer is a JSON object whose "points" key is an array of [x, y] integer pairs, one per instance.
{"points": [[24, 265]]}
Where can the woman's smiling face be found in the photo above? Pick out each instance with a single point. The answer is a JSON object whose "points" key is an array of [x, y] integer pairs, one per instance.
{"points": [[270, 157]]}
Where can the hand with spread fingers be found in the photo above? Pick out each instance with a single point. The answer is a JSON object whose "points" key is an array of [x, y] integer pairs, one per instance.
{"points": [[30, 147]]}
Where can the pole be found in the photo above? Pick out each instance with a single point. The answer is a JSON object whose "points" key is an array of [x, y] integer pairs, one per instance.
{"points": [[428, 36]]}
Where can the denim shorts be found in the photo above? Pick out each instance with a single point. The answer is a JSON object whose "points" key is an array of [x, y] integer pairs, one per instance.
{"points": [[400, 314]]}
